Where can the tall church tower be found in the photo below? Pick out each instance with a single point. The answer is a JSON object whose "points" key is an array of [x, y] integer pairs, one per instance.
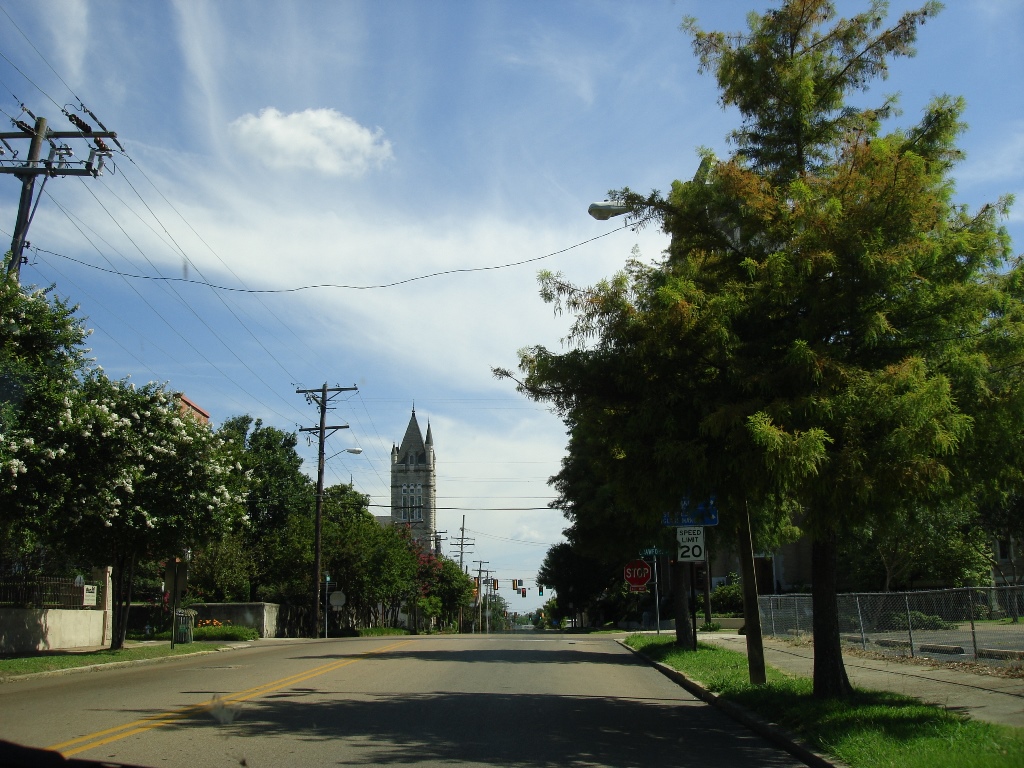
{"points": [[412, 484]]}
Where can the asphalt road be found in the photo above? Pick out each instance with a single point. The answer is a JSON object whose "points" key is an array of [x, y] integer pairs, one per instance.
{"points": [[532, 700]]}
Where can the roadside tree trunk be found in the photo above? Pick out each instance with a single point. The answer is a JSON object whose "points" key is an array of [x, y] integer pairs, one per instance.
{"points": [[123, 578], [681, 605], [830, 680], [751, 614]]}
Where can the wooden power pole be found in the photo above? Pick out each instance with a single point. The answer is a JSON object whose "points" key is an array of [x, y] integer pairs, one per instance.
{"points": [[321, 397], [57, 163]]}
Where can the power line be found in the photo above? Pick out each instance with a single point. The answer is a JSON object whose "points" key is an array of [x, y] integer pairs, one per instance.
{"points": [[512, 541], [174, 329], [39, 53], [128, 181], [29, 79], [229, 347], [481, 509], [297, 289], [302, 342], [184, 255]]}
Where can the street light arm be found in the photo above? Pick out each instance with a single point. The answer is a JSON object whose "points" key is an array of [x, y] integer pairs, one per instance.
{"points": [[344, 450]]}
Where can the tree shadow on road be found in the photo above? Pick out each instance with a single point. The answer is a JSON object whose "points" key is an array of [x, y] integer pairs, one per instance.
{"points": [[501, 655], [499, 729]]}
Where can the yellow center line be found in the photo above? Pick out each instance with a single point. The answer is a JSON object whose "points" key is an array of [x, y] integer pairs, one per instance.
{"points": [[93, 740]]}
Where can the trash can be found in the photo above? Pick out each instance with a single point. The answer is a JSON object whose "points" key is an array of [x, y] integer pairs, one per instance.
{"points": [[185, 621]]}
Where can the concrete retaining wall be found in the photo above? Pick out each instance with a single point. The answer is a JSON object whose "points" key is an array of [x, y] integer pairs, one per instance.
{"points": [[23, 630], [260, 616]]}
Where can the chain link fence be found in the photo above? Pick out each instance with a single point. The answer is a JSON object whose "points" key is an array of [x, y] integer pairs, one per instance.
{"points": [[45, 592], [969, 624]]}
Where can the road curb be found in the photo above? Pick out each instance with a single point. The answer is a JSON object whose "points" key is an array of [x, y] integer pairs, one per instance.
{"points": [[772, 732], [116, 664]]}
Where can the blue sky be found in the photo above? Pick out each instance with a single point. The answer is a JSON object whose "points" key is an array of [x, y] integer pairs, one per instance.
{"points": [[274, 145]]}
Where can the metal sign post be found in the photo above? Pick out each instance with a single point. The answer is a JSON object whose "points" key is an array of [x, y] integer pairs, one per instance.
{"points": [[327, 596], [657, 606], [693, 600]]}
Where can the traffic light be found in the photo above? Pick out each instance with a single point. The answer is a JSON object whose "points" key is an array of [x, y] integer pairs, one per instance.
{"points": [[476, 580], [495, 585], [523, 591], [540, 590]]}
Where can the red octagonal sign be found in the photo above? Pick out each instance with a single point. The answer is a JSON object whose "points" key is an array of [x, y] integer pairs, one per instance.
{"points": [[637, 573]]}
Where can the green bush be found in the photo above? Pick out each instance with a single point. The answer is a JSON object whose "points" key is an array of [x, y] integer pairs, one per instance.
{"points": [[381, 631], [225, 632], [710, 626], [919, 620], [728, 597]]}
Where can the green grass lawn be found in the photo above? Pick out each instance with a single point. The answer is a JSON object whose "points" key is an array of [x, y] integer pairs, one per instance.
{"points": [[47, 662], [872, 730]]}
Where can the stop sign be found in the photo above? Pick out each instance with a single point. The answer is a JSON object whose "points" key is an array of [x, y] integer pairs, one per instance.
{"points": [[637, 573]]}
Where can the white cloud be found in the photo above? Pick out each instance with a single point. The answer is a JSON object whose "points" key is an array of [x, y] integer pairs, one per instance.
{"points": [[202, 41], [998, 160], [69, 26], [322, 140]]}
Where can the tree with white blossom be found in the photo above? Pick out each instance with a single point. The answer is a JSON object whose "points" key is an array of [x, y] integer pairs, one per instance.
{"points": [[147, 480], [100, 469]]}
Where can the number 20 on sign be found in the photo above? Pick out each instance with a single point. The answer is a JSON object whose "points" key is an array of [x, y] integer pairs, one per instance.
{"points": [[691, 545]]}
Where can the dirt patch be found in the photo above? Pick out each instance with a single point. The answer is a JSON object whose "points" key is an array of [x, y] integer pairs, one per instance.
{"points": [[973, 667]]}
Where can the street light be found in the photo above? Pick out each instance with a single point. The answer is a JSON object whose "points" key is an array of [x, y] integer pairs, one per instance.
{"points": [[344, 450], [605, 209]]}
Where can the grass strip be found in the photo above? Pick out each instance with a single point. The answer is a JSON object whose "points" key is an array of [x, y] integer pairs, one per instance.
{"points": [[871, 730], [381, 631], [48, 662]]}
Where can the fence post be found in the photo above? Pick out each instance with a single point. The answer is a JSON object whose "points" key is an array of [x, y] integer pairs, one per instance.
{"points": [[970, 609], [910, 628], [771, 610], [860, 622], [796, 613]]}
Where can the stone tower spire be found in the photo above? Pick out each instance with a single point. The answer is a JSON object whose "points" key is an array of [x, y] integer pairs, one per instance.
{"points": [[412, 483]]}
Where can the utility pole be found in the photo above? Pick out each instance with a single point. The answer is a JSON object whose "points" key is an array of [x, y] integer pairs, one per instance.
{"points": [[490, 593], [439, 536], [321, 398], [462, 543], [480, 591], [56, 164]]}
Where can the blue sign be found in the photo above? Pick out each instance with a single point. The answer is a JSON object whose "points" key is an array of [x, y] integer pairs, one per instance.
{"points": [[692, 514]]}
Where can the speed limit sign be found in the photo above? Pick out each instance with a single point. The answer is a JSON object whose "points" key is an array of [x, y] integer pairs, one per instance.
{"points": [[691, 545]]}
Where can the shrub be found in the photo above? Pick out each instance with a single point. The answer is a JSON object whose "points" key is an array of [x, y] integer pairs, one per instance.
{"points": [[918, 620], [728, 597], [710, 626], [381, 631], [224, 632]]}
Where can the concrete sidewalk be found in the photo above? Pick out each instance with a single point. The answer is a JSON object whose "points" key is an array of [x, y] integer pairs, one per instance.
{"points": [[982, 697]]}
